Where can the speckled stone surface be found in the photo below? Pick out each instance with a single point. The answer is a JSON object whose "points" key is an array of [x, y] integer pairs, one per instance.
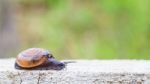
{"points": [[80, 72]]}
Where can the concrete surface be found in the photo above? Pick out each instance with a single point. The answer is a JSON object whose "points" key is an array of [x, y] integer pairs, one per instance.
{"points": [[80, 72]]}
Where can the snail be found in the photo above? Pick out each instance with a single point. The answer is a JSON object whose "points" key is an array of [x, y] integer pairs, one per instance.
{"points": [[37, 59]]}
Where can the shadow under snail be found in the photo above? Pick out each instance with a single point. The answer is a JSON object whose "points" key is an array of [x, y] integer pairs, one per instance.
{"points": [[37, 59]]}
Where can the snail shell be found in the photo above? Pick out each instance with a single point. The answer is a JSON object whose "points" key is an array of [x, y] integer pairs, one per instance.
{"points": [[34, 57]]}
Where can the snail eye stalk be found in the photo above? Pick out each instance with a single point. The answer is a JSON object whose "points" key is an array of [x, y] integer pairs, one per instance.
{"points": [[50, 56]]}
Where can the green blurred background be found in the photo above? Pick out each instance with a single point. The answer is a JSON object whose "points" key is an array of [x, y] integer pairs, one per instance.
{"points": [[78, 29]]}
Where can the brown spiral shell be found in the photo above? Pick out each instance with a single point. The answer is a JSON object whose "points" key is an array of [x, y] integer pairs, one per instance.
{"points": [[32, 57]]}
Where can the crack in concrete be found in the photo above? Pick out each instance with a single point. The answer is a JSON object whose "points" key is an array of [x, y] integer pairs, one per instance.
{"points": [[11, 76], [20, 78], [38, 78]]}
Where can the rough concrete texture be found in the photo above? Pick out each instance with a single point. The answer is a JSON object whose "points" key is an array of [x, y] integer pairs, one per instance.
{"points": [[80, 72]]}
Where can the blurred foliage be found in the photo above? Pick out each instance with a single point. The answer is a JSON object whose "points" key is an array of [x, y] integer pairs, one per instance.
{"points": [[91, 29]]}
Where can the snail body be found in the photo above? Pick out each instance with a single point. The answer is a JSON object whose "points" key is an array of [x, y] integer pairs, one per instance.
{"points": [[37, 58]]}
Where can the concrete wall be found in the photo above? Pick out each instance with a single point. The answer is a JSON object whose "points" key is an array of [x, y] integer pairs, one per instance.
{"points": [[80, 72]]}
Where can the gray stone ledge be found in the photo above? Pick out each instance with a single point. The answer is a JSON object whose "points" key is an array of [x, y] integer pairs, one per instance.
{"points": [[80, 72]]}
